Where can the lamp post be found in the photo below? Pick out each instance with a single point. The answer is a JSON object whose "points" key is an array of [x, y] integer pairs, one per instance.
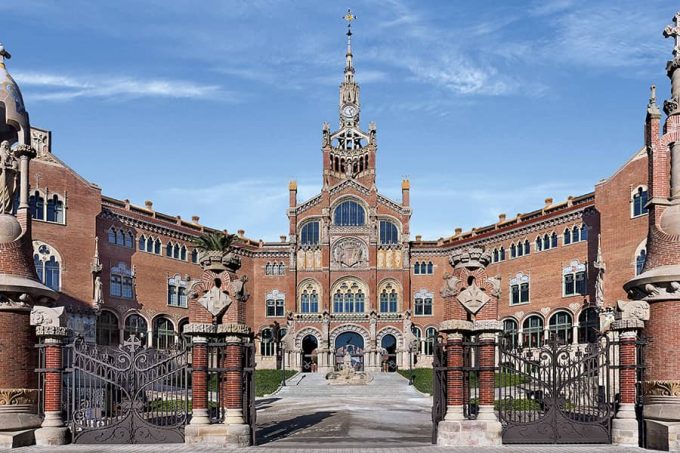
{"points": [[410, 364]]}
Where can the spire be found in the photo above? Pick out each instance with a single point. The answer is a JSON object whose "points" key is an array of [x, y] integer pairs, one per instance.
{"points": [[349, 89], [349, 69], [671, 105]]}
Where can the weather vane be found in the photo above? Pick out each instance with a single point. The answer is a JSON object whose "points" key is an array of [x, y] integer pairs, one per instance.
{"points": [[349, 17]]}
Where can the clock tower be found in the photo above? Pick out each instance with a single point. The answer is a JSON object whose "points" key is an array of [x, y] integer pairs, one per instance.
{"points": [[349, 152]]}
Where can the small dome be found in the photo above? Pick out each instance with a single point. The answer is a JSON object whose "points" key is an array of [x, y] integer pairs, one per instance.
{"points": [[670, 220], [15, 115], [10, 229]]}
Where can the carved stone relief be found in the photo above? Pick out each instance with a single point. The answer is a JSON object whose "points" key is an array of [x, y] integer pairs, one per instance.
{"points": [[350, 253]]}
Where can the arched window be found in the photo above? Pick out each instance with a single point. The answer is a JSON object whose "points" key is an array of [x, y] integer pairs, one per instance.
{"points": [[588, 326], [513, 251], [389, 234], [416, 268], [37, 206], [640, 260], [349, 296], [149, 245], [527, 247], [423, 303], [163, 333], [276, 302], [520, 249], [183, 253], [639, 201], [268, 269], [55, 210], [168, 250], [415, 330], [560, 327], [107, 329], [539, 244], [309, 297], [495, 255], [576, 234], [136, 325], [532, 335], [309, 233], [510, 333], [430, 267], [423, 267], [112, 235], [142, 243], [129, 239], [389, 298], [567, 236], [349, 213], [157, 247], [267, 342], [47, 265], [194, 256], [553, 240], [584, 232], [502, 254], [546, 242], [430, 338], [175, 251]]}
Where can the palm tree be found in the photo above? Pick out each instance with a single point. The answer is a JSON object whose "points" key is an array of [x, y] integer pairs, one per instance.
{"points": [[214, 242]]}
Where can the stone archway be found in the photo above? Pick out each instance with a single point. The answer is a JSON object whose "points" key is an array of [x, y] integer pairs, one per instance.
{"points": [[307, 342], [392, 354], [359, 347]]}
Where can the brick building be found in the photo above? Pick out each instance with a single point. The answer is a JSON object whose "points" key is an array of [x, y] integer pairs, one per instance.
{"points": [[348, 275]]}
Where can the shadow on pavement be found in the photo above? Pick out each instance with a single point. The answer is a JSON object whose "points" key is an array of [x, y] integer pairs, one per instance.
{"points": [[284, 428]]}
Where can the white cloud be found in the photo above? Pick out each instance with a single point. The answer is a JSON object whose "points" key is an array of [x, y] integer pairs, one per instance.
{"points": [[57, 87]]}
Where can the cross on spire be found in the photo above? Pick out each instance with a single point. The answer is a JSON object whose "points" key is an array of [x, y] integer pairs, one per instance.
{"points": [[674, 31]]}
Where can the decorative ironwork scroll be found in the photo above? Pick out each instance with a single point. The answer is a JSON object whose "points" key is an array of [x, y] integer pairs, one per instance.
{"points": [[127, 393]]}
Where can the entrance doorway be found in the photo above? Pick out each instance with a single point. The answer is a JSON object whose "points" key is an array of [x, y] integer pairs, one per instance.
{"points": [[389, 354], [353, 344], [309, 346]]}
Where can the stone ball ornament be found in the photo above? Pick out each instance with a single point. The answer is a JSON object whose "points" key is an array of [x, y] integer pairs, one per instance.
{"points": [[10, 229]]}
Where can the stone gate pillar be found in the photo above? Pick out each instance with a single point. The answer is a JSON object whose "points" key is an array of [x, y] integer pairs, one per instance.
{"points": [[659, 283], [50, 327], [625, 427], [217, 313], [471, 309]]}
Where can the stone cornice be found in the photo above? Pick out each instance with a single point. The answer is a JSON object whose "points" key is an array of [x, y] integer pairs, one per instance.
{"points": [[347, 184], [149, 226], [404, 210]]}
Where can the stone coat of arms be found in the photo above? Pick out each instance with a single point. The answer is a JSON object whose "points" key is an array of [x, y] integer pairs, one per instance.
{"points": [[349, 252]]}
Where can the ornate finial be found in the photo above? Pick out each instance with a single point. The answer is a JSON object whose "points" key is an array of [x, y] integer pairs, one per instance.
{"points": [[652, 94], [674, 31], [4, 54], [349, 17]]}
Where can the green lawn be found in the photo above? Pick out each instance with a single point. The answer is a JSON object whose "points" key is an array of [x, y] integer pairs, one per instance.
{"points": [[267, 381], [423, 379]]}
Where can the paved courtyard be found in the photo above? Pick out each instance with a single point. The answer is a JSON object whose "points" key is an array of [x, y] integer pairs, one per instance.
{"points": [[385, 416]]}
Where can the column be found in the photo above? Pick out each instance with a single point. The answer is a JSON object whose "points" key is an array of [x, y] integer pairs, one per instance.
{"points": [[675, 170], [454, 377], [52, 430], [487, 354], [232, 382], [199, 380], [625, 427]]}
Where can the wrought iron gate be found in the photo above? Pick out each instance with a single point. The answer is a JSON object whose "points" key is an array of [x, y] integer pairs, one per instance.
{"points": [[438, 386], [556, 393], [127, 393], [249, 411]]}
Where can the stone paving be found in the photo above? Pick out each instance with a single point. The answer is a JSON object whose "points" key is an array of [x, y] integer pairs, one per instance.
{"points": [[308, 415]]}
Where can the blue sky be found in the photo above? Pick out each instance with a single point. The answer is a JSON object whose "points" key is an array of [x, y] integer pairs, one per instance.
{"points": [[209, 108]]}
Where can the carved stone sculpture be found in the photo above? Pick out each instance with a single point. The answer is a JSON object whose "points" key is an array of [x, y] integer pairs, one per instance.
{"points": [[473, 298], [451, 285], [9, 177], [47, 316], [637, 310]]}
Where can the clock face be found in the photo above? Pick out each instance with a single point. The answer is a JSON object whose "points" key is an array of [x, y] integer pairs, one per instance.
{"points": [[349, 111]]}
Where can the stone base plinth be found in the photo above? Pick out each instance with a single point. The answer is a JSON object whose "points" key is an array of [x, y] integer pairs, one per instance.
{"points": [[206, 434], [51, 436], [238, 436], [481, 433], [625, 432], [15, 439], [218, 434], [662, 435]]}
